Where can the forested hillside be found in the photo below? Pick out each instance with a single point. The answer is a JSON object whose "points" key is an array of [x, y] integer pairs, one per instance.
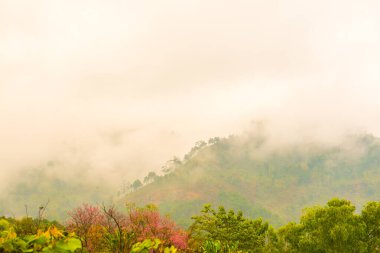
{"points": [[246, 172], [52, 185]]}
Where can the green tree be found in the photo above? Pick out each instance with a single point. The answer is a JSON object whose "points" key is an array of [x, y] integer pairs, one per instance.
{"points": [[371, 218], [334, 228], [136, 184], [151, 177], [231, 230], [289, 237]]}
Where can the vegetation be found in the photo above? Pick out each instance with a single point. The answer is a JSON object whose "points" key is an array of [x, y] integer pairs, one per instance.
{"points": [[248, 173], [270, 185], [334, 228], [149, 245], [230, 230], [50, 240], [52, 181], [103, 229], [245, 172]]}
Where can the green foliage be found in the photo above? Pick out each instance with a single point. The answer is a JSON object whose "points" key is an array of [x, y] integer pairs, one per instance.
{"points": [[29, 225], [230, 230], [289, 237], [50, 240], [151, 177], [136, 184], [333, 228], [149, 245], [247, 172], [371, 218], [217, 247]]}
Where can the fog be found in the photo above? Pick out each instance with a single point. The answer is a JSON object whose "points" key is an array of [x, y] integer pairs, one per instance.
{"points": [[124, 86]]}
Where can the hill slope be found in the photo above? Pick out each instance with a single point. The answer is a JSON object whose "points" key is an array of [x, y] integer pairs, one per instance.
{"points": [[244, 172], [47, 183]]}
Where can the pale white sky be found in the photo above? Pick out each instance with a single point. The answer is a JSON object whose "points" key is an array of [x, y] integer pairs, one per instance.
{"points": [[129, 84]]}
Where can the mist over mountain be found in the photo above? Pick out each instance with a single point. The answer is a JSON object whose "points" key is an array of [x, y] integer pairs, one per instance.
{"points": [[129, 84], [247, 173], [95, 95], [254, 171]]}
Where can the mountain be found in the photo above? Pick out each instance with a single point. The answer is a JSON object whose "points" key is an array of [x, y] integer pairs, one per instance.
{"points": [[54, 184], [275, 182]]}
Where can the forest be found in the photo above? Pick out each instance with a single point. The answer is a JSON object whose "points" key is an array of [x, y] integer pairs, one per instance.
{"points": [[189, 126], [334, 227], [242, 172], [255, 195], [248, 173]]}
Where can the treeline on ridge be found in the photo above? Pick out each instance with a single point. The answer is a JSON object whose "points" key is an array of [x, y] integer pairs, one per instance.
{"points": [[250, 173]]}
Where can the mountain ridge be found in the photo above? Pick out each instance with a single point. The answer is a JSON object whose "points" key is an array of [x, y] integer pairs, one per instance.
{"points": [[244, 172]]}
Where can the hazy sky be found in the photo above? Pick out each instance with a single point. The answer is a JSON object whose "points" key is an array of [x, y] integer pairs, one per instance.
{"points": [[125, 85]]}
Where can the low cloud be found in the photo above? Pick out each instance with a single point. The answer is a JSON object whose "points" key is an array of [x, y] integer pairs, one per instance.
{"points": [[126, 85]]}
